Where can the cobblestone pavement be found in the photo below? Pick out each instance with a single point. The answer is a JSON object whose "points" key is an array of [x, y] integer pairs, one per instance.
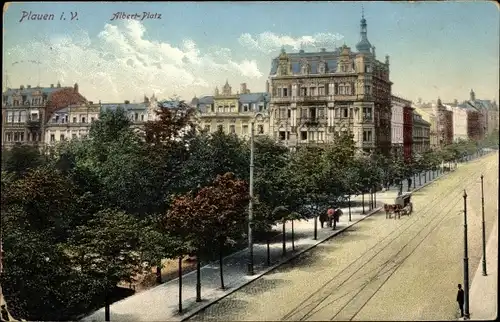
{"points": [[380, 269]]}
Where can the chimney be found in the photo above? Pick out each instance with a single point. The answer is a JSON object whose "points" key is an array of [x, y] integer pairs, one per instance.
{"points": [[22, 87], [76, 88], [267, 86], [127, 102], [91, 102], [51, 85], [29, 86], [58, 84], [243, 88]]}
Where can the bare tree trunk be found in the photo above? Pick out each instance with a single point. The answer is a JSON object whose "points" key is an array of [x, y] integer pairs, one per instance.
{"points": [[268, 242], [158, 272], [293, 237], [221, 263], [106, 305], [180, 284], [283, 236], [363, 201], [198, 278]]}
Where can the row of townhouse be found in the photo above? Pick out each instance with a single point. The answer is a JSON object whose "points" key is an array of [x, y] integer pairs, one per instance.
{"points": [[472, 119], [44, 116]]}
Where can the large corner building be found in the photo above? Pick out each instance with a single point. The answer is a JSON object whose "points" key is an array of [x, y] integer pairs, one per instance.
{"points": [[315, 96]]}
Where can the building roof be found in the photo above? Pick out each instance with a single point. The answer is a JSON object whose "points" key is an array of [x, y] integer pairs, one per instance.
{"points": [[313, 58], [29, 92], [105, 107]]}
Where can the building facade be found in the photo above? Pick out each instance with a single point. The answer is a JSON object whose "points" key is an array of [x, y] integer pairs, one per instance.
{"points": [[316, 96], [233, 112], [397, 120], [407, 131], [72, 122], [420, 135], [444, 124], [427, 112], [459, 123], [28, 109]]}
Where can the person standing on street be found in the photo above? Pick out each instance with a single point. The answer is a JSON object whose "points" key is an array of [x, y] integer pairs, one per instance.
{"points": [[460, 300]]}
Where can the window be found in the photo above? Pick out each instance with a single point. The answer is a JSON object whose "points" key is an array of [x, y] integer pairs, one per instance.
{"points": [[207, 127], [61, 137], [245, 108], [344, 68], [19, 117], [312, 91], [219, 128], [321, 112], [226, 108], [83, 119], [8, 136], [220, 108], [311, 136], [260, 129], [244, 129], [232, 129], [367, 113], [73, 136], [321, 91], [345, 112], [10, 117], [233, 108], [21, 136], [212, 108], [303, 91], [285, 92], [336, 88], [303, 135], [312, 113], [282, 135], [261, 108], [321, 136], [57, 119], [367, 136], [16, 136], [52, 137], [93, 118], [74, 119], [289, 112], [142, 117]]}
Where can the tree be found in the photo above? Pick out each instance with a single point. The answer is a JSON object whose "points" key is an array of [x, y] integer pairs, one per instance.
{"points": [[211, 218], [107, 250], [45, 198], [211, 155], [20, 159]]}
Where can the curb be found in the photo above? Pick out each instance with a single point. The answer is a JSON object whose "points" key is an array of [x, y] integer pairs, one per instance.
{"points": [[273, 267]]}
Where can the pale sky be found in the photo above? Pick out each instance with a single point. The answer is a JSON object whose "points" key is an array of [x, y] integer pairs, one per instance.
{"points": [[437, 49]]}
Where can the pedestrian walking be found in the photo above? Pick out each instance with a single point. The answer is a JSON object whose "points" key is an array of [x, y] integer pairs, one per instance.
{"points": [[460, 300]]}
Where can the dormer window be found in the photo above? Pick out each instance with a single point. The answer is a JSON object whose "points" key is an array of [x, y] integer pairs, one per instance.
{"points": [[245, 108], [322, 68]]}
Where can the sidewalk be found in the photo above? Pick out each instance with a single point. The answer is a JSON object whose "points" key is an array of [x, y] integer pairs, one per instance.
{"points": [[483, 293], [160, 303]]}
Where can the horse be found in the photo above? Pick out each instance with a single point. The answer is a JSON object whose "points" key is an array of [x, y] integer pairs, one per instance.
{"points": [[332, 219]]}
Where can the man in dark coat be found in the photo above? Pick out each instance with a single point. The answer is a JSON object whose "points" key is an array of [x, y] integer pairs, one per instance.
{"points": [[460, 300]]}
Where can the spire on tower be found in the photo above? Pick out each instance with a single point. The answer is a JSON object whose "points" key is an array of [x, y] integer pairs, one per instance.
{"points": [[363, 45]]}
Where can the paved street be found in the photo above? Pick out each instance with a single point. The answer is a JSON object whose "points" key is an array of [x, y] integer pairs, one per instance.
{"points": [[380, 269]]}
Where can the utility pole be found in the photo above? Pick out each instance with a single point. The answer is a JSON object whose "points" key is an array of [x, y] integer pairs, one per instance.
{"points": [[484, 227], [466, 262], [250, 206]]}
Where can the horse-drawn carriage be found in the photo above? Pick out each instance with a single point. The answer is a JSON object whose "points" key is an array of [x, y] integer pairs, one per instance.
{"points": [[402, 206]]}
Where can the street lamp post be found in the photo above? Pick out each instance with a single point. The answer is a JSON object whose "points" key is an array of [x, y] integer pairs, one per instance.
{"points": [[250, 206], [484, 227], [466, 262]]}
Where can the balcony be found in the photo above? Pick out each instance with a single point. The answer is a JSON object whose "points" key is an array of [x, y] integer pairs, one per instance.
{"points": [[318, 98], [34, 123]]}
